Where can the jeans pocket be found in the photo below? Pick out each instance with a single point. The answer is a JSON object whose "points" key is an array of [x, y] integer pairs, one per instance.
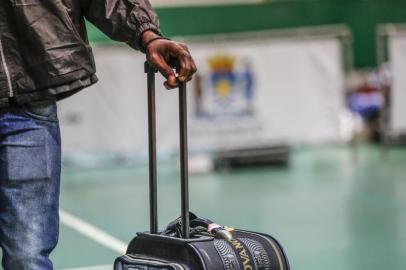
{"points": [[45, 110], [25, 163]]}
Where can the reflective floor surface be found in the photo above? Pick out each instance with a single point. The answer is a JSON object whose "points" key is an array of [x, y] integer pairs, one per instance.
{"points": [[334, 208]]}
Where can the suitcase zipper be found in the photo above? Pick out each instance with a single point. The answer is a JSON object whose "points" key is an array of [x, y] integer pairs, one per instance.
{"points": [[156, 262], [6, 70]]}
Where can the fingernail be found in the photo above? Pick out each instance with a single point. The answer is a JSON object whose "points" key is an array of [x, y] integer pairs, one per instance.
{"points": [[182, 78]]}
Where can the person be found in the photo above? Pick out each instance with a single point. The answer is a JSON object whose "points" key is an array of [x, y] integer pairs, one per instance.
{"points": [[44, 57]]}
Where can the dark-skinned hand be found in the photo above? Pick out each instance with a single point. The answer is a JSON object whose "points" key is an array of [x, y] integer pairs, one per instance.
{"points": [[162, 52]]}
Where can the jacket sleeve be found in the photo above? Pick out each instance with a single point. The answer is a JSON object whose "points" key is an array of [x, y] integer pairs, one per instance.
{"points": [[122, 20]]}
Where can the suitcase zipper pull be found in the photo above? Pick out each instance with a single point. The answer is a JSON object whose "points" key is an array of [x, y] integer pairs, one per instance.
{"points": [[219, 231]]}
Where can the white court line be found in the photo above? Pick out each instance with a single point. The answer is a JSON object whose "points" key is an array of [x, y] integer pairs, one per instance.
{"points": [[92, 232]]}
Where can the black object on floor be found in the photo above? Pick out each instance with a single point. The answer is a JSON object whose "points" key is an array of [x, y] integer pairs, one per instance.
{"points": [[190, 242], [271, 156], [398, 140]]}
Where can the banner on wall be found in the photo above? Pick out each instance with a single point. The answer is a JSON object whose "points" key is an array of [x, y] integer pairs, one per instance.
{"points": [[246, 93]]}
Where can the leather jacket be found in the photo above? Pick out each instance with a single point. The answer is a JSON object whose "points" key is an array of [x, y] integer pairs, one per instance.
{"points": [[44, 50]]}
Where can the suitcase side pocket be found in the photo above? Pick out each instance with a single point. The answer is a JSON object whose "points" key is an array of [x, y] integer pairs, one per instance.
{"points": [[145, 263]]}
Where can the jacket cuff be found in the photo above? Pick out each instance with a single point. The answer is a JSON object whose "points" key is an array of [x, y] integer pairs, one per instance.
{"points": [[136, 43]]}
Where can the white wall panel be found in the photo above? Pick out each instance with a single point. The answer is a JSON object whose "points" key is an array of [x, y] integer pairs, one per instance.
{"points": [[397, 54], [273, 90]]}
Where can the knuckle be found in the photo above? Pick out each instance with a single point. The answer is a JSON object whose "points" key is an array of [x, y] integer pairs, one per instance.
{"points": [[153, 56], [181, 46], [176, 45], [181, 49], [185, 55]]}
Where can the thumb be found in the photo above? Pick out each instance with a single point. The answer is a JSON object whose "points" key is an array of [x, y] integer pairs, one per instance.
{"points": [[163, 67]]}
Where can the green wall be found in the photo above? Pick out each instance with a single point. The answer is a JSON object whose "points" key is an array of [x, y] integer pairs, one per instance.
{"points": [[361, 15]]}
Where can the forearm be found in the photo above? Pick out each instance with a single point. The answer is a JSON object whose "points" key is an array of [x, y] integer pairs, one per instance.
{"points": [[123, 20]]}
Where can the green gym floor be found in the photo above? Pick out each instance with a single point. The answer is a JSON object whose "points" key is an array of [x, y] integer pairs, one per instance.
{"points": [[334, 208]]}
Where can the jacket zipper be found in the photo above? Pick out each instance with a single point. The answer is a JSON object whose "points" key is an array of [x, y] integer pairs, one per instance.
{"points": [[6, 70]]}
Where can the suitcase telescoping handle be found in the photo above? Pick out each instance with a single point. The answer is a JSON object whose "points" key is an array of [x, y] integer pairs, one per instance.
{"points": [[151, 71]]}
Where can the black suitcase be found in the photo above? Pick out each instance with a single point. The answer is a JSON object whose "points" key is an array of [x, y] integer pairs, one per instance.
{"points": [[190, 242]]}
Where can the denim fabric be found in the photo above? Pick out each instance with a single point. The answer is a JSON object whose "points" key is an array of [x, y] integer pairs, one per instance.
{"points": [[30, 165]]}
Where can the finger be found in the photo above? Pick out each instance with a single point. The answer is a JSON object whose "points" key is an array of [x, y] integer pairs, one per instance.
{"points": [[184, 67], [184, 46], [170, 86], [190, 60], [190, 67], [171, 82], [160, 63], [194, 67]]}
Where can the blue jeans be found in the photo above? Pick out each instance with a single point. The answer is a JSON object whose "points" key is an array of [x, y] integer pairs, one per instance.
{"points": [[30, 165]]}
